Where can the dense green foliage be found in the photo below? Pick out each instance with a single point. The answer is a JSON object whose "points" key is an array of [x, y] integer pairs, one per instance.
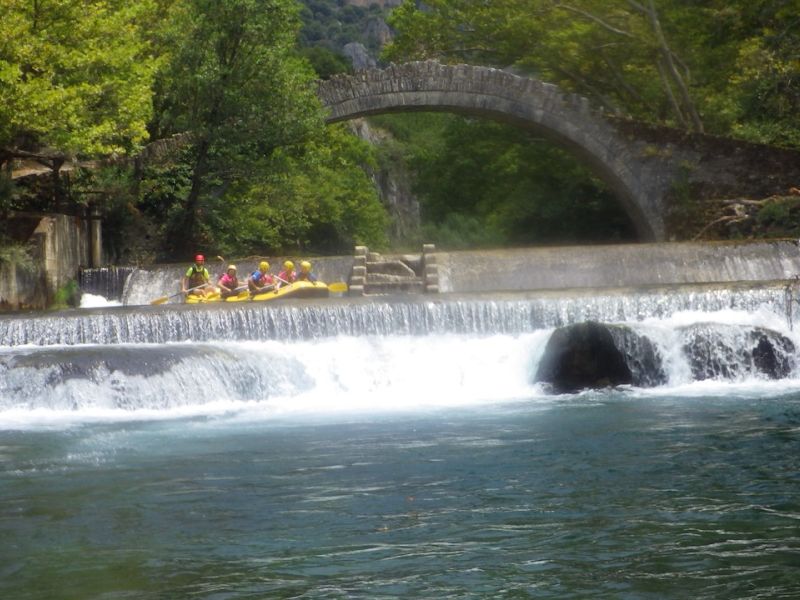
{"points": [[730, 67], [318, 202], [76, 75], [325, 62], [236, 86], [332, 25], [486, 184], [252, 169]]}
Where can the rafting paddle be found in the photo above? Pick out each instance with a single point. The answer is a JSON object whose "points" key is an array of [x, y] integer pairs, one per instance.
{"points": [[163, 299], [243, 294]]}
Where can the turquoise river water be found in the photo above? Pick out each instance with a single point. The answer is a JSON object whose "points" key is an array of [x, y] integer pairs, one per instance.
{"points": [[392, 464]]}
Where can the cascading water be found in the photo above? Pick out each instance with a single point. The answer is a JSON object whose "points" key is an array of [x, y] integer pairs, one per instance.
{"points": [[401, 448], [343, 353], [107, 282], [307, 320]]}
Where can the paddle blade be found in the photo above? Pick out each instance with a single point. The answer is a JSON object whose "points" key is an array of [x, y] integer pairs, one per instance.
{"points": [[339, 286], [160, 300]]}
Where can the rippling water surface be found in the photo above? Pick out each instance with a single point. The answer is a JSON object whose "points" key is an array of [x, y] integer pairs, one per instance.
{"points": [[614, 495]]}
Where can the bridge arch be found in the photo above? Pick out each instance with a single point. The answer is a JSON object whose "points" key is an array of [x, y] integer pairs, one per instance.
{"points": [[566, 119]]}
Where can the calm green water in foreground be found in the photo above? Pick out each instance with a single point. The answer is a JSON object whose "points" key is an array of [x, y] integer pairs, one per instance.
{"points": [[602, 496]]}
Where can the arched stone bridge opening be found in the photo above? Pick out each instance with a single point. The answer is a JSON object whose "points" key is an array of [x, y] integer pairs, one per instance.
{"points": [[539, 107], [644, 165]]}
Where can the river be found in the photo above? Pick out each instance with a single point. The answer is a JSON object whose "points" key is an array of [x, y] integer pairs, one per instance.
{"points": [[393, 449]]}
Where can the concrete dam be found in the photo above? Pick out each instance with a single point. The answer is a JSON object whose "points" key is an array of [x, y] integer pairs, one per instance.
{"points": [[562, 270], [618, 266]]}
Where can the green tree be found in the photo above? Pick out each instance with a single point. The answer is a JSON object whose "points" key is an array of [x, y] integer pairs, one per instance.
{"points": [[321, 202], [75, 81], [481, 183], [75, 77], [325, 62], [236, 83], [618, 52], [725, 66], [751, 77], [729, 66]]}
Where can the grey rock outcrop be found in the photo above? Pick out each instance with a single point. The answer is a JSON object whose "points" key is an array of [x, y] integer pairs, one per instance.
{"points": [[594, 355], [378, 30], [718, 351], [582, 356], [358, 55], [393, 182]]}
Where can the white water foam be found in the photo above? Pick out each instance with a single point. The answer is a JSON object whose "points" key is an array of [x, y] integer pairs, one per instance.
{"points": [[338, 375], [330, 376], [667, 335], [96, 301], [762, 317]]}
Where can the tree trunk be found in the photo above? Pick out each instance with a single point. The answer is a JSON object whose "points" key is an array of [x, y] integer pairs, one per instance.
{"points": [[671, 69], [187, 236], [676, 108]]}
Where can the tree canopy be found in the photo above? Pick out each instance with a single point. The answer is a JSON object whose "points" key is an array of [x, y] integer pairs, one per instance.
{"points": [[237, 87], [230, 87], [75, 75], [724, 67], [252, 167], [729, 67]]}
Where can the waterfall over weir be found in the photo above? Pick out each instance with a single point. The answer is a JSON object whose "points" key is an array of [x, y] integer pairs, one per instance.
{"points": [[299, 320], [108, 282]]}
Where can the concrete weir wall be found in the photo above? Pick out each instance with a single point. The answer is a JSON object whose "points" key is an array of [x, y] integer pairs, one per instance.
{"points": [[59, 246], [145, 284], [63, 246], [532, 269], [631, 265]]}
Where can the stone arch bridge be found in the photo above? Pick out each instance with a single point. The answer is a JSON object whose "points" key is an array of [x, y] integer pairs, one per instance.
{"points": [[649, 168]]}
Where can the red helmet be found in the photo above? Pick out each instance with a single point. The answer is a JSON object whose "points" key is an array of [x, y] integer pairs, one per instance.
{"points": [[199, 258]]}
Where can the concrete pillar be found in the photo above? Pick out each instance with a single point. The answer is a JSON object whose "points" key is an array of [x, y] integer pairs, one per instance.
{"points": [[95, 237]]}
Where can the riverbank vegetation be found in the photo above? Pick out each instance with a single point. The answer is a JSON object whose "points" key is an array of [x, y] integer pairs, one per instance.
{"points": [[724, 67], [194, 123], [243, 161], [728, 68]]}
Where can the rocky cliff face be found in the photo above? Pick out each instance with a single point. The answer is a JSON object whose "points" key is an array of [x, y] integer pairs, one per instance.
{"points": [[359, 56], [378, 30], [393, 182]]}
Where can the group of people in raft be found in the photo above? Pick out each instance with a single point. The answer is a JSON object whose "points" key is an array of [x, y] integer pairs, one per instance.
{"points": [[197, 280]]}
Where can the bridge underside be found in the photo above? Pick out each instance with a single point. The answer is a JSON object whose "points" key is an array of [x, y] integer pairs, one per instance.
{"points": [[644, 229], [529, 104]]}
